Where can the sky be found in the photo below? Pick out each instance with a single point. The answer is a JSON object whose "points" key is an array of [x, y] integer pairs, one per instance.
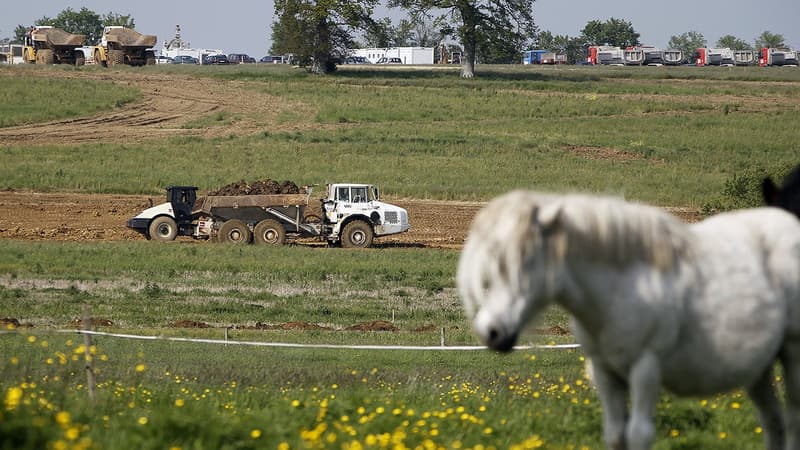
{"points": [[244, 26]]}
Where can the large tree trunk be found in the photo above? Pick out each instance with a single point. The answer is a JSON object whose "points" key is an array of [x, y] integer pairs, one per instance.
{"points": [[468, 60], [322, 63], [469, 37]]}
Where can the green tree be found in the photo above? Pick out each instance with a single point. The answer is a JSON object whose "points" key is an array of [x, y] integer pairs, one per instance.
{"points": [[496, 25], [317, 31], [613, 31], [733, 43], [19, 34], [769, 40], [688, 43], [115, 19]]}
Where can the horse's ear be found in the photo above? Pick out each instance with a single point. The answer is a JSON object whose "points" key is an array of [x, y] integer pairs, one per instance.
{"points": [[547, 216], [770, 191]]}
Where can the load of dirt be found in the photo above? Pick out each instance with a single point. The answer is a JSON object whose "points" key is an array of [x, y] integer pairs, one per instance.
{"points": [[260, 187]]}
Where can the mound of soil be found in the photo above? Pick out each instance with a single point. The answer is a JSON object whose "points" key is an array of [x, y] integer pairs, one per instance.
{"points": [[93, 321], [260, 187], [378, 325], [302, 326], [9, 322], [554, 331], [189, 324]]}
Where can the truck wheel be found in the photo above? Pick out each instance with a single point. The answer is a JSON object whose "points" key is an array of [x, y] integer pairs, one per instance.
{"points": [[149, 58], [45, 56], [79, 60], [115, 57], [163, 229], [235, 232], [269, 232], [357, 234]]}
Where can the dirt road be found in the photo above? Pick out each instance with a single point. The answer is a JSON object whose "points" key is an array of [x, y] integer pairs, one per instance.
{"points": [[98, 217], [95, 217]]}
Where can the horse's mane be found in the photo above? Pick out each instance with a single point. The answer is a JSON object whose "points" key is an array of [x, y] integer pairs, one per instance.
{"points": [[586, 227], [622, 233]]}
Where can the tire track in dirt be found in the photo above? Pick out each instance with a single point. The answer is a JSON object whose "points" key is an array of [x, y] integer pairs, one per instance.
{"points": [[169, 103]]}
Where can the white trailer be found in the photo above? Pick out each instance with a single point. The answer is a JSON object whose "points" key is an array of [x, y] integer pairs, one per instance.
{"points": [[409, 55], [198, 53]]}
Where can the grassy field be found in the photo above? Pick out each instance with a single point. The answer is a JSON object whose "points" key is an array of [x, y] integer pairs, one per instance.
{"points": [[672, 136], [31, 100], [158, 394]]}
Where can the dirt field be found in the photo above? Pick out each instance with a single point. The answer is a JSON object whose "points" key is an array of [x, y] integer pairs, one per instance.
{"points": [[169, 102]]}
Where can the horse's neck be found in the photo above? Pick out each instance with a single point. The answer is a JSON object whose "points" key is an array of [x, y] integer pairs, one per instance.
{"points": [[593, 292]]}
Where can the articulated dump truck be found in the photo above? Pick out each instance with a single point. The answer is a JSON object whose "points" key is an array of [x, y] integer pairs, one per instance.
{"points": [[48, 45], [120, 45], [352, 216]]}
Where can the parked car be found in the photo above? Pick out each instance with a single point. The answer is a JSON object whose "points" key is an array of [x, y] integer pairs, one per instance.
{"points": [[216, 60], [163, 60], [240, 58], [185, 59], [356, 60], [392, 60]]}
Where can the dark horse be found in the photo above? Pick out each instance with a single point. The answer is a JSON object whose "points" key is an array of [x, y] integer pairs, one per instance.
{"points": [[787, 196]]}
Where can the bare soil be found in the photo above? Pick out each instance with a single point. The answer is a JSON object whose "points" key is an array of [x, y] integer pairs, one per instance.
{"points": [[169, 103]]}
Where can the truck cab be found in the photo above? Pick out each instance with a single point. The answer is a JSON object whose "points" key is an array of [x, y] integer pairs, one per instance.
{"points": [[170, 219], [351, 208]]}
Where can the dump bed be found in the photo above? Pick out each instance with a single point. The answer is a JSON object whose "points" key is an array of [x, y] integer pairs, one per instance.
{"points": [[55, 37], [126, 37], [211, 203]]}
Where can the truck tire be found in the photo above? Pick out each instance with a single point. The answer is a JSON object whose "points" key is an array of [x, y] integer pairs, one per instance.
{"points": [[234, 232], [116, 57], [45, 56], [270, 232], [357, 234], [163, 229], [149, 58], [79, 60]]}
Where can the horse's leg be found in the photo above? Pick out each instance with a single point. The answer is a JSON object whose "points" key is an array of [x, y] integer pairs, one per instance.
{"points": [[645, 385], [612, 392], [790, 358], [769, 410]]}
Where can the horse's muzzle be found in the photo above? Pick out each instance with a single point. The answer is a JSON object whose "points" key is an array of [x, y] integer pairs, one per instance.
{"points": [[500, 342]]}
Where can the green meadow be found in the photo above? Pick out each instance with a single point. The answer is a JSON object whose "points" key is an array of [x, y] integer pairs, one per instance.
{"points": [[696, 137]]}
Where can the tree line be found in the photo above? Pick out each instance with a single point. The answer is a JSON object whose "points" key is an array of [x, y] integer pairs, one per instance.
{"points": [[316, 32]]}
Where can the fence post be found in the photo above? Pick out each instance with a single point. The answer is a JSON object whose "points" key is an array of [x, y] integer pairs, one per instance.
{"points": [[87, 341], [442, 337]]}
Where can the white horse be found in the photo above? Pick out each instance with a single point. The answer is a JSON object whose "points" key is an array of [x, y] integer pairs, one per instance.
{"points": [[698, 309]]}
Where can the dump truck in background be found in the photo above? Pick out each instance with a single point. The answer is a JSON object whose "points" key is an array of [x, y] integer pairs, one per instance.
{"points": [[352, 216], [121, 45], [778, 57], [49, 45]]}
